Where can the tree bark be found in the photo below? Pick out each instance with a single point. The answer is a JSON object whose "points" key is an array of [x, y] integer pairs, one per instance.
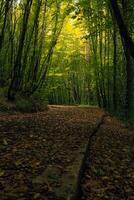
{"points": [[122, 27], [16, 80]]}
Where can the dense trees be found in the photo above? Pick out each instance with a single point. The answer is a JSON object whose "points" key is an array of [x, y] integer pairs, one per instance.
{"points": [[74, 52], [128, 46], [28, 47], [113, 50]]}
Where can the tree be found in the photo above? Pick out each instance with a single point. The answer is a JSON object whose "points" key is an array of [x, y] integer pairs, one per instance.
{"points": [[122, 27]]}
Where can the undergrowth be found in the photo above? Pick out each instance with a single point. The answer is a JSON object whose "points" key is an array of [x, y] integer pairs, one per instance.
{"points": [[34, 103]]}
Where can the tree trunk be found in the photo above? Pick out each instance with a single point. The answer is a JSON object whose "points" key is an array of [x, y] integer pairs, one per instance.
{"points": [[115, 69], [122, 27], [16, 80]]}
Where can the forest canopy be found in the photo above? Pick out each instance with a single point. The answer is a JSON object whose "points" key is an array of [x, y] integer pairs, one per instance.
{"points": [[68, 52]]}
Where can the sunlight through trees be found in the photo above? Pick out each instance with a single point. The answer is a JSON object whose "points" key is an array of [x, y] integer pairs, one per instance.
{"points": [[68, 52]]}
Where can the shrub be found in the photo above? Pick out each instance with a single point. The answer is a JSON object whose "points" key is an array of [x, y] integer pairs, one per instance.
{"points": [[32, 104], [35, 103], [6, 106]]}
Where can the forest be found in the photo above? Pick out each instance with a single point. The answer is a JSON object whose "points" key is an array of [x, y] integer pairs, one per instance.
{"points": [[68, 52], [66, 99]]}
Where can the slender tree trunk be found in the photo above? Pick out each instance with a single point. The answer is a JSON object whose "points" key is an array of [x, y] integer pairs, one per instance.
{"points": [[8, 4], [115, 69], [129, 85], [16, 80]]}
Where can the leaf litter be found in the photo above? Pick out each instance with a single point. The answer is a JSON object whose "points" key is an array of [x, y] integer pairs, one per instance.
{"points": [[37, 148], [110, 174]]}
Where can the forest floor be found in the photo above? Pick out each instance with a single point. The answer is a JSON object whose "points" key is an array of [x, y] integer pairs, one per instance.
{"points": [[37, 149], [110, 173]]}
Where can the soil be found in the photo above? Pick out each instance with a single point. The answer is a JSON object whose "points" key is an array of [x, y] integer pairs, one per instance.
{"points": [[36, 150], [110, 174]]}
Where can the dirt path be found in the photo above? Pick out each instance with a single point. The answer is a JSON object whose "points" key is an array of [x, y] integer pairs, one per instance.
{"points": [[37, 149], [110, 173]]}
